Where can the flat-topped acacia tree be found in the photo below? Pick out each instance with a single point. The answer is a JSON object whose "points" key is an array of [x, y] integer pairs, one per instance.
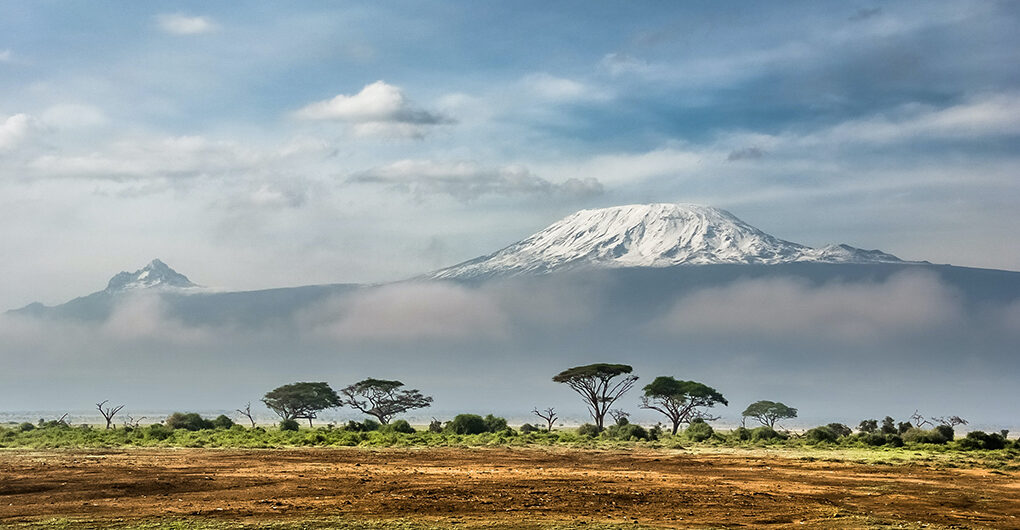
{"points": [[301, 400], [768, 412], [680, 401], [595, 383], [383, 399]]}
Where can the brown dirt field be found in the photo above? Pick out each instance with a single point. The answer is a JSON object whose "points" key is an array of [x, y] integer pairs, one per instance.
{"points": [[499, 487]]}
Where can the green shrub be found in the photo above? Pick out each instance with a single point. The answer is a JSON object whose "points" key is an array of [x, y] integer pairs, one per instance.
{"points": [[627, 432], [529, 428], [823, 434], [222, 422], [588, 429], [946, 432], [921, 436], [871, 438], [435, 426], [894, 440], [982, 440], [840, 429], [698, 431], [742, 434], [765, 434], [157, 432], [400, 426], [289, 425], [190, 421], [369, 425], [494, 423], [25, 427], [467, 424]]}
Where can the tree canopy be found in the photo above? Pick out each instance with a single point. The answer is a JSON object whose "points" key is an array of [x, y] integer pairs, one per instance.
{"points": [[594, 382], [383, 399], [680, 401], [767, 412], [301, 400]]}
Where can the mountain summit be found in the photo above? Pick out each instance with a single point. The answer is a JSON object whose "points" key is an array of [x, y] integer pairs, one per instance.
{"points": [[154, 275], [651, 235]]}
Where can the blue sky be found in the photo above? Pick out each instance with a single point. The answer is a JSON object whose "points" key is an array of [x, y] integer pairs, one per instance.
{"points": [[254, 145]]}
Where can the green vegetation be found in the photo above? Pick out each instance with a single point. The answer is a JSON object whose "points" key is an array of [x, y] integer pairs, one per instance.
{"points": [[301, 400], [680, 401], [596, 386], [768, 412]]}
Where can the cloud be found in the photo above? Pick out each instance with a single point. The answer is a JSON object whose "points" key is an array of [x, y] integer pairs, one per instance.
{"points": [[180, 24], [865, 13], [73, 116], [378, 109], [408, 313], [277, 196], [144, 317], [907, 304], [14, 130], [747, 153], [554, 88], [469, 180], [6, 56]]}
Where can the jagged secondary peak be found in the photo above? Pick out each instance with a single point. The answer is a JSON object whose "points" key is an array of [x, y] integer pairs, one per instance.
{"points": [[650, 235], [154, 275]]}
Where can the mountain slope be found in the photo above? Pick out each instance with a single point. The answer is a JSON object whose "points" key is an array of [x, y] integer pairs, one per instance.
{"points": [[155, 275], [651, 235]]}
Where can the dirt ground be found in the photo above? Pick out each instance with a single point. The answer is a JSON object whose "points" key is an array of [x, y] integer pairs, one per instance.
{"points": [[499, 487]]}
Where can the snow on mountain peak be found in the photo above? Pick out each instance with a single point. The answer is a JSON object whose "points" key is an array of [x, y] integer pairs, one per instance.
{"points": [[650, 235], [154, 275]]}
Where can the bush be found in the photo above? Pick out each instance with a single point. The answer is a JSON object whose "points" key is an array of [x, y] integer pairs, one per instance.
{"points": [[894, 440], [742, 434], [821, 434], [222, 422], [921, 436], [765, 434], [25, 427], [189, 421], [400, 426], [435, 426], [982, 440], [494, 423], [157, 432], [529, 428], [626, 432], [840, 429], [871, 438], [698, 431], [467, 424], [289, 425], [655, 432], [588, 430], [946, 432]]}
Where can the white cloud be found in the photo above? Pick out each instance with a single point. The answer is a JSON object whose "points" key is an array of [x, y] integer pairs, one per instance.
{"points": [[785, 309], [626, 168], [14, 130], [180, 24], [6, 56], [554, 88], [73, 116], [410, 312], [469, 180], [378, 109]]}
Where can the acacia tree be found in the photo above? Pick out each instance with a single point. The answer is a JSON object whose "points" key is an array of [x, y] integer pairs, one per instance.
{"points": [[383, 399], [595, 383], [767, 412], [301, 400], [108, 412], [680, 401]]}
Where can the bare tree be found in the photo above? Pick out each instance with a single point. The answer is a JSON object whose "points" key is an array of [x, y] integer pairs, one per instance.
{"points": [[132, 422], [919, 421], [108, 412], [619, 416], [549, 415], [246, 412]]}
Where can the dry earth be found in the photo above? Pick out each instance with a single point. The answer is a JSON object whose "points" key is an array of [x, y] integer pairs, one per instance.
{"points": [[498, 487]]}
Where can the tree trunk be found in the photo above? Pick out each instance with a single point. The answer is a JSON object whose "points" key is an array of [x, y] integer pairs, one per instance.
{"points": [[676, 426], [309, 423]]}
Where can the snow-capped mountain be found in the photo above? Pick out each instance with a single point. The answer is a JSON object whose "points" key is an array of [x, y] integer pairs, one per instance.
{"points": [[651, 235], [155, 275]]}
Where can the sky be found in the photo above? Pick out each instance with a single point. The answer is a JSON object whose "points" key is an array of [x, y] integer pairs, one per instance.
{"points": [[254, 145]]}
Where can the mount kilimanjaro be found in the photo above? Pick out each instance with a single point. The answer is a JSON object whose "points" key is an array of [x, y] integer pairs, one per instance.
{"points": [[647, 255]]}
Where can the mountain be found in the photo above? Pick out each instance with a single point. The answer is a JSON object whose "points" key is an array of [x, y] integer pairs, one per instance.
{"points": [[651, 235], [155, 275]]}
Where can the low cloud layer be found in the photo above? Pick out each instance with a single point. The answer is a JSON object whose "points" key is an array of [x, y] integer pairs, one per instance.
{"points": [[181, 24]]}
